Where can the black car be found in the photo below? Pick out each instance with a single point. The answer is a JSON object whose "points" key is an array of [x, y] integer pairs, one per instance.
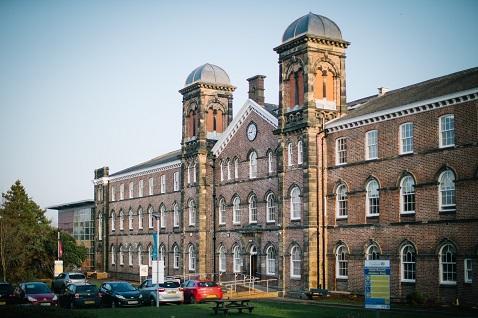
{"points": [[80, 295], [116, 294], [7, 294]]}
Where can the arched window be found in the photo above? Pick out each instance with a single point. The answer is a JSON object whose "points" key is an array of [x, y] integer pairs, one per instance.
{"points": [[236, 168], [407, 195], [221, 170], [192, 258], [222, 259], [121, 220], [189, 174], [176, 215], [407, 260], [192, 212], [270, 162], [162, 254], [295, 205], [252, 209], [113, 221], [130, 256], [372, 198], [237, 259], [163, 216], [150, 256], [341, 201], [100, 226], [228, 169], [237, 211], [289, 154], [295, 262], [150, 217], [299, 152], [253, 165], [447, 191], [222, 211], [175, 257], [140, 218], [121, 255], [194, 172], [270, 261], [130, 219], [448, 265], [113, 255], [271, 208], [373, 253], [140, 255], [341, 262]]}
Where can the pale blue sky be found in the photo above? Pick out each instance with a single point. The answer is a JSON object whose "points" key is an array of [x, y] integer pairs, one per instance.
{"points": [[86, 84]]}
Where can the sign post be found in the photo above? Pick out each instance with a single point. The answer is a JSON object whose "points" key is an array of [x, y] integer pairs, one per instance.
{"points": [[377, 284]]}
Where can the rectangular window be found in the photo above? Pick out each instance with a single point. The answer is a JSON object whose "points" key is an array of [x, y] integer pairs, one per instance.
{"points": [[447, 131], [406, 138], [131, 190], [176, 181], [372, 145], [468, 270], [140, 188], [113, 194], [341, 151], [122, 192], [163, 183], [151, 186]]}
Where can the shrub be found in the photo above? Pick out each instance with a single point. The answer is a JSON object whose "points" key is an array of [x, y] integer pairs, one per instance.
{"points": [[415, 297]]}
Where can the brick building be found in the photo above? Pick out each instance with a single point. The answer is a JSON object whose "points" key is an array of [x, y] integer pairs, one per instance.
{"points": [[302, 192]]}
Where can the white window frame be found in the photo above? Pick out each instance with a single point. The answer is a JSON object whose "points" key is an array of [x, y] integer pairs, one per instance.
{"points": [[151, 186], [175, 257], [406, 138], [140, 255], [468, 268], [176, 181], [100, 226], [192, 259], [113, 255], [270, 261], [237, 211], [289, 154], [122, 191], [341, 202], [447, 130], [140, 218], [373, 252], [300, 155], [407, 195], [189, 174], [237, 260], [236, 168], [163, 183], [252, 209], [121, 255], [150, 256], [447, 257], [176, 216], [341, 262], [192, 212], [253, 165], [295, 262], [113, 193], [295, 204], [140, 189], [222, 259], [113, 221], [270, 161], [121, 220], [372, 144], [228, 163], [130, 256], [341, 151], [408, 264], [271, 208], [222, 211], [221, 170], [195, 172], [130, 219], [150, 217], [373, 198], [131, 190], [163, 216], [447, 191]]}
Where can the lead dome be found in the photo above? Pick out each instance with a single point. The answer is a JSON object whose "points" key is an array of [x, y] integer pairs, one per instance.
{"points": [[208, 73], [312, 24]]}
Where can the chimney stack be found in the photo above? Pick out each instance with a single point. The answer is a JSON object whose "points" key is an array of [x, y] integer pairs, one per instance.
{"points": [[256, 89]]}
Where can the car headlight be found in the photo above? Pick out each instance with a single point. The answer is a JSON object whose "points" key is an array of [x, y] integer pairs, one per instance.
{"points": [[120, 296], [30, 298], [55, 298], [140, 296]]}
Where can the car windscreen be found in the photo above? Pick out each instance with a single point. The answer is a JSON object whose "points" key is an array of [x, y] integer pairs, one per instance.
{"points": [[87, 289], [4, 288], [77, 276], [37, 289], [207, 284], [169, 285], [122, 287]]}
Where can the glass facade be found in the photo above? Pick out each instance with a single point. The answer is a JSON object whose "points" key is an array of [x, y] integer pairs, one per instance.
{"points": [[84, 233]]}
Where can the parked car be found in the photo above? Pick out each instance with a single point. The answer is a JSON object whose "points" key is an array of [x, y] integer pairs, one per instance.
{"points": [[116, 294], [7, 294], [80, 295], [169, 292], [196, 291], [36, 293], [59, 283]]}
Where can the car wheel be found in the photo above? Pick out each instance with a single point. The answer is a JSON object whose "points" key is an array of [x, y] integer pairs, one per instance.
{"points": [[152, 302], [72, 305], [114, 304], [192, 300]]}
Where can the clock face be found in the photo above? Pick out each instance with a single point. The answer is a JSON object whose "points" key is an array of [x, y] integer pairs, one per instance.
{"points": [[251, 131]]}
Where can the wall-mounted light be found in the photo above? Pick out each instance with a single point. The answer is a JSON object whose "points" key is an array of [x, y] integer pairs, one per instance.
{"points": [[228, 234]]}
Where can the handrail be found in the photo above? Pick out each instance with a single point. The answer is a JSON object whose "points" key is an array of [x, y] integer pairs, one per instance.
{"points": [[232, 285]]}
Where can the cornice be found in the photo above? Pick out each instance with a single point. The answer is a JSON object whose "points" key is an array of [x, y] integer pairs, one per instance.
{"points": [[310, 38], [199, 85]]}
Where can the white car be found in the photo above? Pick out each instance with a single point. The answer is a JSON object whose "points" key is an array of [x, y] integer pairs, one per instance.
{"points": [[169, 292]]}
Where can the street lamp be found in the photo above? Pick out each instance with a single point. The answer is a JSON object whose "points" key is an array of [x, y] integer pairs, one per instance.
{"points": [[157, 216]]}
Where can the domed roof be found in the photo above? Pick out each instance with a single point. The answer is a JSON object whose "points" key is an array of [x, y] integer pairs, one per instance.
{"points": [[312, 24], [208, 73]]}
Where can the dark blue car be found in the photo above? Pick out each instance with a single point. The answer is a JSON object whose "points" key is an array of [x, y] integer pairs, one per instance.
{"points": [[116, 294], [80, 295]]}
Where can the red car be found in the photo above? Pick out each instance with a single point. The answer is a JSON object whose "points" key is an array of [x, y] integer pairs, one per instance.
{"points": [[196, 291], [36, 293]]}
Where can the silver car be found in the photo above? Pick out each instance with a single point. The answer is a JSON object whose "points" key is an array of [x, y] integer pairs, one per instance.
{"points": [[61, 281], [169, 292]]}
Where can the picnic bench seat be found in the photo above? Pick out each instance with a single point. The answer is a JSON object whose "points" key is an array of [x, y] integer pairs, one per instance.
{"points": [[226, 309], [317, 292], [225, 305]]}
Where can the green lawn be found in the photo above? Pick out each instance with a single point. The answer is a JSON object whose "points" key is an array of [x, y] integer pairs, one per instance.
{"points": [[263, 308]]}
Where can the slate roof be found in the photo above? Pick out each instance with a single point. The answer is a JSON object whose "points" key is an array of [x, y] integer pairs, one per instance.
{"points": [[440, 86], [172, 156]]}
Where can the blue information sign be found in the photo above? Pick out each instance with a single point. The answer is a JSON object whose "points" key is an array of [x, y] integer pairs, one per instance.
{"points": [[377, 284]]}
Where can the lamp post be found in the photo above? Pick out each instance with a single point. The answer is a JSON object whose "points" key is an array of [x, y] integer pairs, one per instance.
{"points": [[157, 216]]}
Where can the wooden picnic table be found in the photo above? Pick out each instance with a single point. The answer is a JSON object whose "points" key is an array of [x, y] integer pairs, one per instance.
{"points": [[227, 304]]}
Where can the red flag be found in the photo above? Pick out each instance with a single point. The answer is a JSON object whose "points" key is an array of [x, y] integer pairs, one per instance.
{"points": [[60, 249]]}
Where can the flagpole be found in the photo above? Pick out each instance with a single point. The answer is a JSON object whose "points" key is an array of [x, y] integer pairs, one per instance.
{"points": [[58, 245]]}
